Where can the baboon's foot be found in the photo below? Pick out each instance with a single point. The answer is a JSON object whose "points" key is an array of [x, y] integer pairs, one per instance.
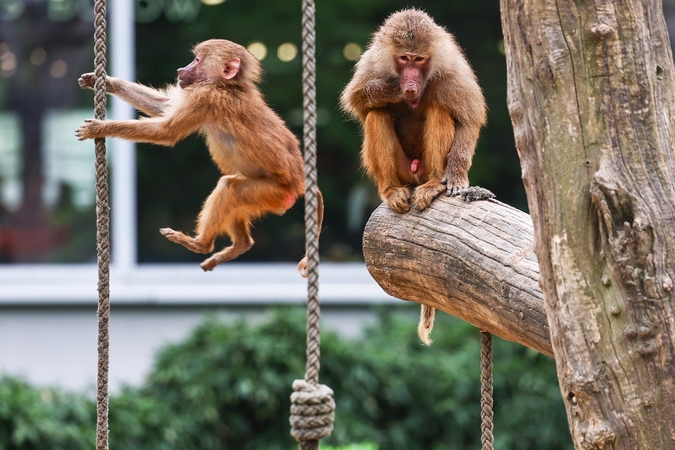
{"points": [[193, 244]]}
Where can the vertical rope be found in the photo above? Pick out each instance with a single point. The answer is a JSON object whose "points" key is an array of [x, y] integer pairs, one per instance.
{"points": [[312, 409], [486, 398], [102, 230], [311, 225]]}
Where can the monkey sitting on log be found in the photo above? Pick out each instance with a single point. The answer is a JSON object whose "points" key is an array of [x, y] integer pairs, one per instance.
{"points": [[259, 157], [421, 109]]}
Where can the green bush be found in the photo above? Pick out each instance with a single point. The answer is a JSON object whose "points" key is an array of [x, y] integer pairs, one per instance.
{"points": [[363, 446], [228, 387], [45, 419]]}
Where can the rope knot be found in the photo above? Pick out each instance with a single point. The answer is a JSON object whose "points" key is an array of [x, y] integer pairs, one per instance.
{"points": [[312, 411]]}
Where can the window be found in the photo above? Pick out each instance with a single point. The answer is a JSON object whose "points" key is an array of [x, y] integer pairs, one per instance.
{"points": [[47, 211]]}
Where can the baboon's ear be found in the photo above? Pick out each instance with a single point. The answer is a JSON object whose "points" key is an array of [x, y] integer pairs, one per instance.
{"points": [[231, 68]]}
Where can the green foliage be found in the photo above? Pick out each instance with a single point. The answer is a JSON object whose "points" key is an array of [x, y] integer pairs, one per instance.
{"points": [[32, 419], [228, 386], [362, 446]]}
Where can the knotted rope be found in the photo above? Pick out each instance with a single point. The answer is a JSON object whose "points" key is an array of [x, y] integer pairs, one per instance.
{"points": [[312, 411], [312, 408], [486, 399], [102, 230]]}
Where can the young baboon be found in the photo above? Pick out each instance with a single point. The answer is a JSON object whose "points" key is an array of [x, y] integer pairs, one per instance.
{"points": [[216, 95], [421, 109]]}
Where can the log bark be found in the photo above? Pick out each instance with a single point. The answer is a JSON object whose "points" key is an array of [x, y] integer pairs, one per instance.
{"points": [[590, 93], [472, 260]]}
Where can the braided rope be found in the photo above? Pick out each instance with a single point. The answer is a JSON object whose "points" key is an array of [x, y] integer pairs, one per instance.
{"points": [[312, 409], [311, 225], [102, 231], [486, 398]]}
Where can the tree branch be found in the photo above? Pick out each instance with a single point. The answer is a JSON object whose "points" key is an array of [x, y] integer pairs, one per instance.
{"points": [[471, 260]]}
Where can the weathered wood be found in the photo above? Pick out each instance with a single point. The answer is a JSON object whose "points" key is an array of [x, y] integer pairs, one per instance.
{"points": [[472, 260], [591, 93]]}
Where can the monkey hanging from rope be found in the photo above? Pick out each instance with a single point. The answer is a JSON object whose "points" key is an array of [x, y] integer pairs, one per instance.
{"points": [[259, 157]]}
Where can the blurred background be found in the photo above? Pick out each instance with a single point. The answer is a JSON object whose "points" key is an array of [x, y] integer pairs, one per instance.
{"points": [[46, 176], [185, 382]]}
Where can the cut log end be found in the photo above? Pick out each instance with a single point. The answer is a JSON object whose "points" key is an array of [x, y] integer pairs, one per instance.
{"points": [[472, 260]]}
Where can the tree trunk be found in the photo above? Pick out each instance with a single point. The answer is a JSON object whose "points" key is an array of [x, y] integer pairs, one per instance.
{"points": [[590, 93], [473, 260]]}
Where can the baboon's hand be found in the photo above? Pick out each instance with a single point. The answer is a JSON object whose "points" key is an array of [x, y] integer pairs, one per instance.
{"points": [[90, 129], [454, 185], [86, 80]]}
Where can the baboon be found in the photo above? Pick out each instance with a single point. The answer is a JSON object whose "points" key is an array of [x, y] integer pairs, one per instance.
{"points": [[259, 157], [421, 109]]}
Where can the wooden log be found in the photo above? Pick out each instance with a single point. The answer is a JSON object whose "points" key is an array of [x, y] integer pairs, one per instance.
{"points": [[472, 260]]}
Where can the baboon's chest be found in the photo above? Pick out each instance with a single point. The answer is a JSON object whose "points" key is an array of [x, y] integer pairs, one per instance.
{"points": [[409, 127]]}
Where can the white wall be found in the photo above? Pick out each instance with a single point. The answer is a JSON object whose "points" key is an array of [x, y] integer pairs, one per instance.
{"points": [[51, 340]]}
